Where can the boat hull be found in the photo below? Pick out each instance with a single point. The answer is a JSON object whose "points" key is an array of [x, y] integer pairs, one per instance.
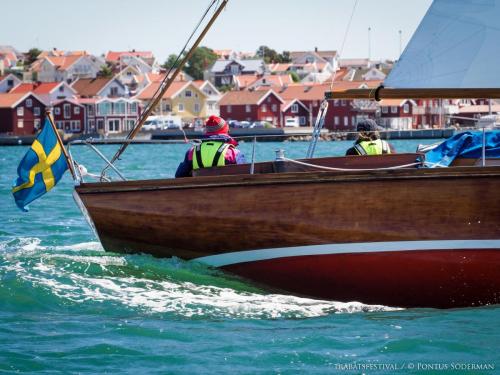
{"points": [[203, 217]]}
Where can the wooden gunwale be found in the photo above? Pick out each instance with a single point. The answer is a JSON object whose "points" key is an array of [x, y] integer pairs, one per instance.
{"points": [[287, 178]]}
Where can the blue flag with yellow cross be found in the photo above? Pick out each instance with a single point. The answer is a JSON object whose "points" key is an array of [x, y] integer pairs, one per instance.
{"points": [[41, 168]]}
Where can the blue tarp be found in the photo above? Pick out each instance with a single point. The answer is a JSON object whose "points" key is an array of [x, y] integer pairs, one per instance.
{"points": [[464, 145]]}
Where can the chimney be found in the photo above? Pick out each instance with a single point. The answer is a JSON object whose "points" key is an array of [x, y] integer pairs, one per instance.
{"points": [[315, 49]]}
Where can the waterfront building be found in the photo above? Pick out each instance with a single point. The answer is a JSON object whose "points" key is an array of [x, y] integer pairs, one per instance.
{"points": [[296, 110], [8, 82], [183, 99], [259, 105], [396, 114], [69, 116], [212, 99], [107, 116], [20, 114]]}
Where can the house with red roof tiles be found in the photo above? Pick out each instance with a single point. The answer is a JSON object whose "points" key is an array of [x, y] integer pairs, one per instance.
{"points": [[66, 68], [124, 57], [20, 114], [49, 92], [183, 99], [269, 81], [259, 105], [99, 87], [8, 82]]}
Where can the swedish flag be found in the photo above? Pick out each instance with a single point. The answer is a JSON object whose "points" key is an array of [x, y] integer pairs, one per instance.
{"points": [[41, 168]]}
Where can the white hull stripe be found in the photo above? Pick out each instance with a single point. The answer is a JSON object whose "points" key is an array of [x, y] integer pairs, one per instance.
{"points": [[227, 259]]}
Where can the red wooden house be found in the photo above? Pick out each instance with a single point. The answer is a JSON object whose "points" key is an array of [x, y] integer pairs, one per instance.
{"points": [[21, 114], [69, 116], [397, 113], [260, 105], [295, 109]]}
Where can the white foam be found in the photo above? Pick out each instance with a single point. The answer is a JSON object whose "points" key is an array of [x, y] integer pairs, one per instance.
{"points": [[184, 299]]}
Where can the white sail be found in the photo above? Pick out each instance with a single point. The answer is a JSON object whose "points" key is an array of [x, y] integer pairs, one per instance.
{"points": [[457, 45]]}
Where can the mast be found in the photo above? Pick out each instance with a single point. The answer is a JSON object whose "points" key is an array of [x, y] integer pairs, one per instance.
{"points": [[169, 79]]}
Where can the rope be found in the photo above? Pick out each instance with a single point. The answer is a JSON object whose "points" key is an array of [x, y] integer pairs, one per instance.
{"points": [[349, 169]]}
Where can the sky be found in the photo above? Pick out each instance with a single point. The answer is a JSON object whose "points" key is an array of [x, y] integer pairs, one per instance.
{"points": [[162, 26]]}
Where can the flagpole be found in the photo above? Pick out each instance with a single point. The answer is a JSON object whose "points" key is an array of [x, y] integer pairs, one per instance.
{"points": [[69, 161]]}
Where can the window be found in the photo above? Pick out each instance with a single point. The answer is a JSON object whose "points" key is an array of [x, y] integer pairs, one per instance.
{"points": [[167, 108], [67, 110], [210, 106], [114, 125], [61, 88], [133, 107], [264, 108], [269, 99], [343, 103], [394, 109], [406, 108], [100, 124], [274, 108], [385, 110], [197, 107], [353, 120], [76, 110], [104, 108], [36, 111], [346, 121], [248, 108], [113, 91], [188, 93], [335, 103], [90, 110], [181, 107], [336, 120], [75, 126], [130, 124], [119, 108], [295, 108], [302, 120], [20, 123], [29, 103], [10, 82], [235, 69], [91, 125], [60, 124], [229, 109], [20, 111]]}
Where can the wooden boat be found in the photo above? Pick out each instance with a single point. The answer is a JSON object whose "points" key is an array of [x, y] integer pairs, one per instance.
{"points": [[405, 237], [378, 229]]}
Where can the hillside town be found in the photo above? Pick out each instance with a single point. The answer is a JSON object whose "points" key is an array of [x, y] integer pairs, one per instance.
{"points": [[106, 94]]}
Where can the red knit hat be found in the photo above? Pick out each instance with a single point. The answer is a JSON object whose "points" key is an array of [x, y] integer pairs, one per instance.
{"points": [[216, 125]]}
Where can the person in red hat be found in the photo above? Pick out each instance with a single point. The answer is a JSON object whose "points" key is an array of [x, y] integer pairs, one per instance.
{"points": [[216, 149]]}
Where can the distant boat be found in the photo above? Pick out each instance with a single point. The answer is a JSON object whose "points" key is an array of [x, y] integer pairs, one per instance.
{"points": [[375, 229]]}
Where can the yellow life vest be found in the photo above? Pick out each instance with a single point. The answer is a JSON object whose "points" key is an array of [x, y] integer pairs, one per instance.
{"points": [[210, 154], [377, 147]]}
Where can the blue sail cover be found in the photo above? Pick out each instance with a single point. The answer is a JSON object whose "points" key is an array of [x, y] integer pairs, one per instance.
{"points": [[455, 46], [464, 145]]}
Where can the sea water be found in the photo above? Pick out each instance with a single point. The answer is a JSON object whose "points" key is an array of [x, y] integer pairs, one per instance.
{"points": [[67, 306]]}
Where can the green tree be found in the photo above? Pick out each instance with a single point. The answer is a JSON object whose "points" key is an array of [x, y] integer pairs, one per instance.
{"points": [[295, 77], [105, 72], [32, 55], [271, 56], [285, 57], [170, 62], [201, 59]]}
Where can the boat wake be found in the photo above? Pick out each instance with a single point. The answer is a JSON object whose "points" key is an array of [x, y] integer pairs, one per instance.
{"points": [[84, 275]]}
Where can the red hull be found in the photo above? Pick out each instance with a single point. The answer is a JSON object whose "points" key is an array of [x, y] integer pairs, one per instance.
{"points": [[435, 278]]}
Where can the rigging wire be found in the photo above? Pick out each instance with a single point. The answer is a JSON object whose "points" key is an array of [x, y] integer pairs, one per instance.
{"points": [[343, 41]]}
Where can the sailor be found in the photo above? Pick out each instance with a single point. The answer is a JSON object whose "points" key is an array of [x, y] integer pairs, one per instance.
{"points": [[217, 148], [368, 141]]}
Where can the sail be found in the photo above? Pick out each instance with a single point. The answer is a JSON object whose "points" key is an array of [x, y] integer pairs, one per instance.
{"points": [[455, 46]]}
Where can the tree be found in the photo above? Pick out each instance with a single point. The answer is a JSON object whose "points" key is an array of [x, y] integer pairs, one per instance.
{"points": [[32, 55], [105, 72], [201, 59], [170, 62], [271, 56], [295, 77]]}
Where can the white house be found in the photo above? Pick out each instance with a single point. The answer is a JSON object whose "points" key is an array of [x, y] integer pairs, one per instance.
{"points": [[8, 82], [68, 68]]}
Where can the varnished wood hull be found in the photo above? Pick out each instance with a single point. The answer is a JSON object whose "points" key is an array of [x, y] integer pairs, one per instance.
{"points": [[250, 215]]}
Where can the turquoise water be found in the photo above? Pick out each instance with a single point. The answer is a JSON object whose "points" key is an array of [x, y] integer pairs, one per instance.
{"points": [[66, 306]]}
